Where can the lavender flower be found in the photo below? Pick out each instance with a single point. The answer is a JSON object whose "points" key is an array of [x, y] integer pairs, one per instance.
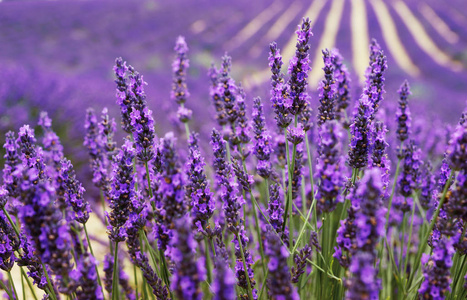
{"points": [[342, 78], [403, 113], [87, 276], [74, 192], [409, 178], [329, 167], [239, 267], [295, 135], [242, 128], [305, 117], [262, 149], [224, 281], [107, 129], [31, 155], [202, 201], [122, 191], [457, 148], [228, 90], [327, 90], [245, 180], [298, 69], [360, 131], [279, 279], [170, 204], [427, 185], [94, 143], [141, 119], [297, 174], [280, 100], [189, 271], [456, 206], [346, 234], [276, 211], [437, 271], [221, 116], [11, 157], [369, 222], [300, 260], [32, 262], [379, 157], [124, 97], [179, 91], [9, 242], [374, 87], [53, 148]]}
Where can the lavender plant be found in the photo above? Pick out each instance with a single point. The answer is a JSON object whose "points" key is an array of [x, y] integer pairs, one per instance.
{"points": [[291, 221]]}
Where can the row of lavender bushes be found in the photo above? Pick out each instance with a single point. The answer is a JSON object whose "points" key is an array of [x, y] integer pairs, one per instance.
{"points": [[302, 206]]}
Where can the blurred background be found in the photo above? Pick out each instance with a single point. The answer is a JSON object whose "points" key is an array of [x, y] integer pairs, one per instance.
{"points": [[58, 55]]}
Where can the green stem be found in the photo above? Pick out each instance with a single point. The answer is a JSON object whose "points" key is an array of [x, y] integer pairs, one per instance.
{"points": [[288, 207], [115, 289], [11, 222], [12, 283], [409, 242], [263, 285], [49, 283], [310, 167], [22, 287], [208, 258], [7, 290], [29, 283], [393, 189], [250, 294], [136, 281], [417, 260]]}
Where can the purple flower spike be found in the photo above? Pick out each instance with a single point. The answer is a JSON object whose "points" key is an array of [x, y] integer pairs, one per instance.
{"points": [[86, 272], [262, 149], [107, 129], [296, 134], [276, 211], [31, 155], [403, 113], [239, 268], [242, 128], [122, 191], [329, 167], [228, 90], [360, 131], [297, 174], [457, 149], [279, 96], [437, 270], [224, 281], [279, 279], [410, 176], [299, 67], [53, 149], [342, 78], [181, 63], [202, 201], [189, 270], [141, 119], [379, 157], [124, 97], [346, 235], [9, 242], [170, 196], [374, 87], [10, 181], [214, 92], [427, 185], [327, 89], [74, 192], [369, 222], [300, 260]]}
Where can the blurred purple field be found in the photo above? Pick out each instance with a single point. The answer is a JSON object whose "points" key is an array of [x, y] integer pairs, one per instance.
{"points": [[58, 56]]}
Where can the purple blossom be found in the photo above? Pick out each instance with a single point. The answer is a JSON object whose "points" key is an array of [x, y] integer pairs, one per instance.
{"points": [[170, 196], [9, 242], [327, 90], [31, 155], [189, 270], [10, 181], [346, 234], [299, 66], [124, 97], [262, 148], [297, 174], [87, 276], [198, 191], [403, 113], [53, 149], [342, 78], [180, 65], [295, 135], [360, 130], [457, 148], [427, 185], [276, 211], [214, 92], [241, 129], [329, 167], [228, 90], [379, 157], [279, 280], [281, 103], [224, 281], [410, 175], [300, 261], [374, 85], [239, 267], [107, 129], [437, 270], [122, 191], [142, 122], [94, 142]]}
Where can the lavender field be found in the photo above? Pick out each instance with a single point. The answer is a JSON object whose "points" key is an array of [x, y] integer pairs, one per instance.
{"points": [[233, 150]]}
